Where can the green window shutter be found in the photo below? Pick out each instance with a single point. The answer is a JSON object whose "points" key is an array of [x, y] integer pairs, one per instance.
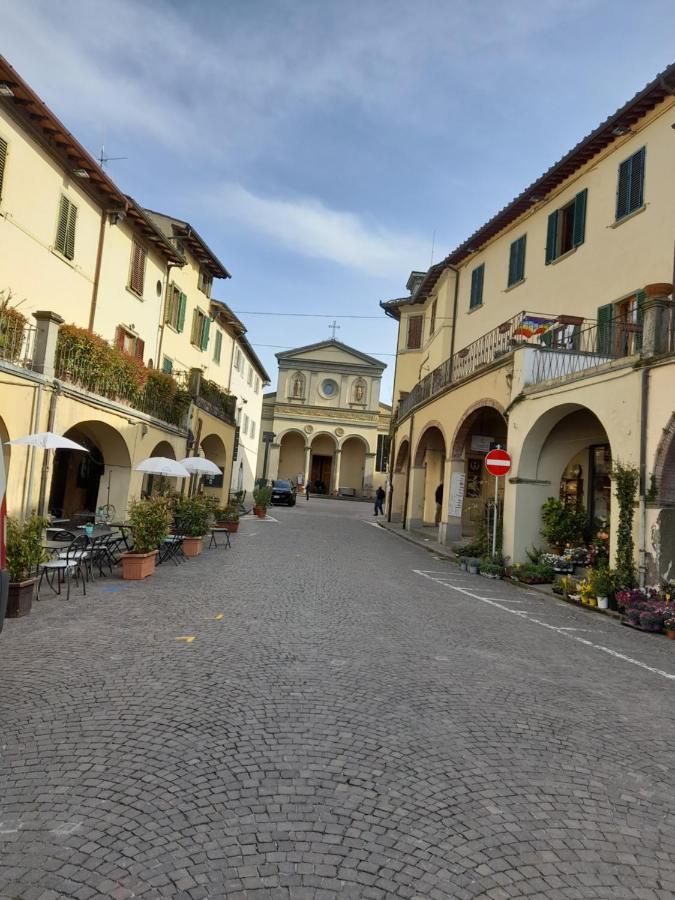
{"points": [[552, 237], [167, 365], [637, 179], [70, 234], [513, 264], [605, 329], [195, 335], [206, 324], [639, 320], [3, 162], [521, 257], [218, 346], [182, 306], [623, 189], [580, 217], [477, 277], [62, 227]]}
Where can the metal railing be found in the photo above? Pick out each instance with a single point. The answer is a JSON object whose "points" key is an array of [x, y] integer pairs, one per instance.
{"points": [[217, 401], [583, 349], [523, 328], [17, 340]]}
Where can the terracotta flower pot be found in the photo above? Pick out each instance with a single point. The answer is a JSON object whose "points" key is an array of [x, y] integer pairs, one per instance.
{"points": [[671, 635], [658, 289], [137, 566], [193, 546], [232, 527], [20, 598], [260, 511]]}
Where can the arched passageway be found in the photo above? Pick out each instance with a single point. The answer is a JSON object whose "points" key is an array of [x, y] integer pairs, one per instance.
{"points": [[322, 463], [83, 483], [153, 483], [481, 429], [291, 456], [352, 465], [400, 471], [427, 478], [216, 486]]}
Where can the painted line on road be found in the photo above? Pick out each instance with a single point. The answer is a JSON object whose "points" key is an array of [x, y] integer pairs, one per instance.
{"points": [[562, 631]]}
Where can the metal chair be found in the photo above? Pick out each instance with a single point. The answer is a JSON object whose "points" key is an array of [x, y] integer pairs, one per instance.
{"points": [[72, 559]]}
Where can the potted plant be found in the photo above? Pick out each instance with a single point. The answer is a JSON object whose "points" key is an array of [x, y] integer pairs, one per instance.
{"points": [[602, 585], [461, 560], [227, 517], [149, 525], [473, 565], [192, 515], [651, 621], [669, 627], [490, 569], [261, 500], [24, 555], [561, 526]]}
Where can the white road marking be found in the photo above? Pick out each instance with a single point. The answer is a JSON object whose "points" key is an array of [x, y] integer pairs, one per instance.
{"points": [[558, 629]]}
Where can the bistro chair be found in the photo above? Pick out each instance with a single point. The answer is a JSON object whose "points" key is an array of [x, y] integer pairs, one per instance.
{"points": [[72, 560]]}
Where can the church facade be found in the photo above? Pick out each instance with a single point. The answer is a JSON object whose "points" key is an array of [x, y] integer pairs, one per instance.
{"points": [[325, 422]]}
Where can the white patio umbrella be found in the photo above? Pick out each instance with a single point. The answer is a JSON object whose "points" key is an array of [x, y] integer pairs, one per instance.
{"points": [[197, 465], [162, 465], [48, 440]]}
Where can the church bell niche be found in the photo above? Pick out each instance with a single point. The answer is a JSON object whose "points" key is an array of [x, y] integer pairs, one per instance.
{"points": [[297, 386], [359, 391]]}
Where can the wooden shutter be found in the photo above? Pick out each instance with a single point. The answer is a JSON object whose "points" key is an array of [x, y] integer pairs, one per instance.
{"points": [[605, 329], [414, 332], [432, 323], [477, 275], [137, 271], [623, 189], [206, 325], [513, 264], [119, 337], [182, 306], [3, 162], [640, 298], [167, 365], [580, 217], [62, 226], [552, 237], [637, 177], [140, 349], [217, 346]]}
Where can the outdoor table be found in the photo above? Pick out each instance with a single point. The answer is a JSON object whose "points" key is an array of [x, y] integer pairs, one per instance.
{"points": [[217, 530]]}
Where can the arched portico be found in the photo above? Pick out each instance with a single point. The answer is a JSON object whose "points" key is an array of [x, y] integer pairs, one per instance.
{"points": [[352, 468], [323, 449], [83, 482], [292, 456], [152, 483], [427, 475], [216, 486], [398, 480]]}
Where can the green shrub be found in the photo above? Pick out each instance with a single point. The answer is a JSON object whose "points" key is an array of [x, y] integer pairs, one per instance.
{"points": [[262, 496], [193, 515], [562, 525], [24, 547], [149, 522]]}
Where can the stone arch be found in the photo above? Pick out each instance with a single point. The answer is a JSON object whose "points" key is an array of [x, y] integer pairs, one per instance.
{"points": [[297, 431], [83, 482], [421, 444], [463, 428], [297, 384], [318, 439], [402, 455], [353, 451], [292, 447], [216, 486], [163, 448], [322, 466], [355, 437], [664, 465]]}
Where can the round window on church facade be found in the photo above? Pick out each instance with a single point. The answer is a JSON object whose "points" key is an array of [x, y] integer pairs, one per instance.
{"points": [[329, 387]]}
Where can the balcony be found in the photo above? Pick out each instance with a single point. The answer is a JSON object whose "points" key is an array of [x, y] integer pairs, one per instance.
{"points": [[17, 338], [566, 345]]}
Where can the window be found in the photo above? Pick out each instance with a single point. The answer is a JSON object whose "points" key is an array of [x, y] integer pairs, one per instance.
{"points": [[252, 428], [237, 417], [199, 335], [477, 278], [414, 333], [137, 268], [517, 261], [630, 189], [3, 162], [382, 455], [217, 346], [619, 326], [176, 303], [566, 227], [205, 282], [245, 428], [257, 385], [238, 359], [329, 388], [128, 342], [167, 365], [65, 229], [432, 322], [249, 380]]}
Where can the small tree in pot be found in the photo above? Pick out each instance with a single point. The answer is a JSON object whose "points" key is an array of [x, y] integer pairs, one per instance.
{"points": [[227, 517], [193, 518], [149, 522], [24, 555], [261, 499]]}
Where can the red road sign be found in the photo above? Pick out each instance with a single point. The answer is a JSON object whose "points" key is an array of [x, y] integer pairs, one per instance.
{"points": [[498, 462]]}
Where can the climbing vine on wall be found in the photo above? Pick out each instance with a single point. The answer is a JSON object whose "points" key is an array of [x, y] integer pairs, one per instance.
{"points": [[626, 479]]}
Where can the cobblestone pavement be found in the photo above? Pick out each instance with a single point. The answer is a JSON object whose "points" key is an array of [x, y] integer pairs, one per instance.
{"points": [[354, 718]]}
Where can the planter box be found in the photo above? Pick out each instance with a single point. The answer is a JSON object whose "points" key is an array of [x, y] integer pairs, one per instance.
{"points": [[137, 566], [570, 320], [193, 546], [232, 527], [20, 598]]}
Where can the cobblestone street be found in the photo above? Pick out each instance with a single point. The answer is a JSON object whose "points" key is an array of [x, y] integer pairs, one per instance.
{"points": [[354, 718]]}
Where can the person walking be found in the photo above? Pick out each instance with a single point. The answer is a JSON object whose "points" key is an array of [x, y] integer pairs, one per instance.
{"points": [[439, 503], [379, 500], [308, 488]]}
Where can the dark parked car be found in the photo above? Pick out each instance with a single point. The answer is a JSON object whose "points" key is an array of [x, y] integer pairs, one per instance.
{"points": [[283, 492]]}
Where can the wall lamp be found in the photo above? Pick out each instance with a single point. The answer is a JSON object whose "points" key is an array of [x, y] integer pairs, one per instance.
{"points": [[6, 89]]}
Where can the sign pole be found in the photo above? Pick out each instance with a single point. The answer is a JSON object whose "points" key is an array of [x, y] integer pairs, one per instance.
{"points": [[494, 517], [498, 463]]}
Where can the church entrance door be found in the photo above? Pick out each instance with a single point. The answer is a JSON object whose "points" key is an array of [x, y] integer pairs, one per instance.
{"points": [[322, 467]]}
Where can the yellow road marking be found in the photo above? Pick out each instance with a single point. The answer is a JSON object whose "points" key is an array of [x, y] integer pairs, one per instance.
{"points": [[188, 639], [219, 617]]}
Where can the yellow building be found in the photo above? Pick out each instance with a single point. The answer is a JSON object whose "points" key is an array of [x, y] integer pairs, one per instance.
{"points": [[83, 337], [539, 333], [325, 421]]}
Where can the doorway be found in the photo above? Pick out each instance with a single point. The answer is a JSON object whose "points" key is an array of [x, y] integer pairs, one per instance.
{"points": [[322, 467]]}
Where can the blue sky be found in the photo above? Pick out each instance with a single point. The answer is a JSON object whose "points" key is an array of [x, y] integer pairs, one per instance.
{"points": [[318, 145]]}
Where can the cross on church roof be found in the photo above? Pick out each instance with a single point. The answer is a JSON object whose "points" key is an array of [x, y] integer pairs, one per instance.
{"points": [[334, 325]]}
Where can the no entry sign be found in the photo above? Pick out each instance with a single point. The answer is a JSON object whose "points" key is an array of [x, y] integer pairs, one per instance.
{"points": [[498, 462]]}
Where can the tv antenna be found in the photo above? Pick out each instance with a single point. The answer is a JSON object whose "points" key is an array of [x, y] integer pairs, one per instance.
{"points": [[103, 159]]}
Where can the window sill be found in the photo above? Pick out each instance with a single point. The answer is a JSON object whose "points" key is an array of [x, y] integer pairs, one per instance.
{"points": [[412, 350], [172, 327], [197, 346], [515, 284], [59, 255], [630, 215], [475, 308], [134, 294], [565, 255]]}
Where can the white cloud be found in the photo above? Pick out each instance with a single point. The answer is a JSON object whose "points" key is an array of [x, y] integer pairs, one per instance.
{"points": [[308, 227]]}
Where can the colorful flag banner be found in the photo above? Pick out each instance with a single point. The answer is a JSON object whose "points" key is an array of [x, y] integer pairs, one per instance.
{"points": [[533, 325]]}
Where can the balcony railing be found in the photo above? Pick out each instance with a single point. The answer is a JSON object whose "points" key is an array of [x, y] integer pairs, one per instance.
{"points": [[17, 339], [215, 400], [583, 349], [523, 328]]}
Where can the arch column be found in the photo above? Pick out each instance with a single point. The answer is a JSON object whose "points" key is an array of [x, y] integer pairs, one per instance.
{"points": [[273, 462], [337, 459], [308, 462], [369, 473], [416, 498], [454, 480]]}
